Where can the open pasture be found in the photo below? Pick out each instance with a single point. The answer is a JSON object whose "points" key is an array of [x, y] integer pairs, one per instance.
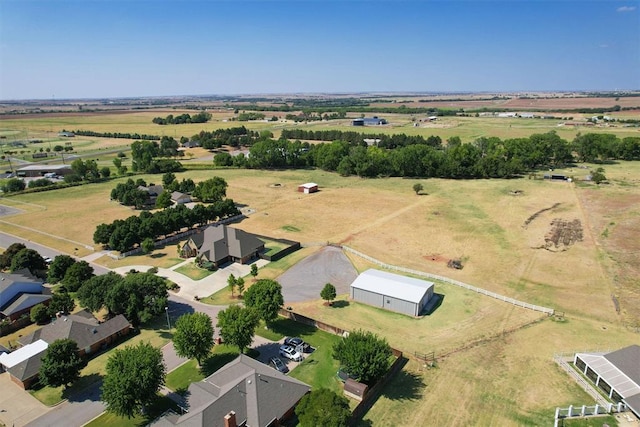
{"points": [[480, 222]]}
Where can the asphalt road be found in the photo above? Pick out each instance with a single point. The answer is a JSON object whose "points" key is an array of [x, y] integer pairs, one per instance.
{"points": [[7, 239]]}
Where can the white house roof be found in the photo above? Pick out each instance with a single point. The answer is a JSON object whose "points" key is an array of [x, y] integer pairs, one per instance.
{"points": [[9, 360], [393, 285], [309, 185]]}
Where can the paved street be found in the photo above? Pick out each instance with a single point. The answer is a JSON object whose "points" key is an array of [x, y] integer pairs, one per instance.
{"points": [[7, 239]]}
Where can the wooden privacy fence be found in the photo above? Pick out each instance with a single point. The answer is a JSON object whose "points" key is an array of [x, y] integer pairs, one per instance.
{"points": [[510, 300]]}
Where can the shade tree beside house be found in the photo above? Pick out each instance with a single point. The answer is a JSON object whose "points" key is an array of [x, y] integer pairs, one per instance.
{"points": [[193, 337], [364, 355], [265, 296], [237, 325], [61, 363], [133, 378]]}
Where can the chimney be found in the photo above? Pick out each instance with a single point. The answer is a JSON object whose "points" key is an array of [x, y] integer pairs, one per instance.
{"points": [[230, 420]]}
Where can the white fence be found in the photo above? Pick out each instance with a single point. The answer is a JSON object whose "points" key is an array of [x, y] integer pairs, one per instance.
{"points": [[564, 360], [587, 411], [549, 311]]}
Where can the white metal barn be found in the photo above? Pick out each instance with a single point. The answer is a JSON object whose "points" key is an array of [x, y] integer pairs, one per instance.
{"points": [[393, 292]]}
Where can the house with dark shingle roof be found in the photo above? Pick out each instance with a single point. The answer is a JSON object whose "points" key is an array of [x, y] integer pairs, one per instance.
{"points": [[257, 394], [89, 334], [19, 291], [220, 244], [616, 373]]}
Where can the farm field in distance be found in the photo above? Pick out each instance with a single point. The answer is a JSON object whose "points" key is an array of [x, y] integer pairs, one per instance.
{"points": [[574, 247]]}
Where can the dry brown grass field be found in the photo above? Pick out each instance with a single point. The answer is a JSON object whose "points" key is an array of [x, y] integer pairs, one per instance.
{"points": [[496, 227]]}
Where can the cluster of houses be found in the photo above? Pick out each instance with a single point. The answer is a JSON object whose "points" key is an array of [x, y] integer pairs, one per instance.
{"points": [[23, 364]]}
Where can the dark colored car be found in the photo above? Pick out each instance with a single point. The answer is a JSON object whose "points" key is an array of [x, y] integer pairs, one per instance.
{"points": [[293, 341], [278, 365]]}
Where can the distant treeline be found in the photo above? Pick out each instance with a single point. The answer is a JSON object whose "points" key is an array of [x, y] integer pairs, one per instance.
{"points": [[124, 235], [201, 117], [416, 157], [356, 138], [123, 135]]}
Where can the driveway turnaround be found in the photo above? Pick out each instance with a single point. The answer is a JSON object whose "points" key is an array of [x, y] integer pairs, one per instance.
{"points": [[305, 280], [190, 288], [17, 407]]}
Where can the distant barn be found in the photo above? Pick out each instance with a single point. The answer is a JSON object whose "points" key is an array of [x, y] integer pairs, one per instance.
{"points": [[393, 292]]}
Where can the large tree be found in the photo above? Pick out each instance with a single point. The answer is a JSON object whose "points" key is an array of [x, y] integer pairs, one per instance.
{"points": [[140, 297], [237, 325], [323, 407], [39, 314], [364, 355], [134, 376], [93, 293], [31, 260], [76, 275], [61, 363], [62, 302], [59, 267], [211, 190], [266, 297], [9, 253], [193, 337]]}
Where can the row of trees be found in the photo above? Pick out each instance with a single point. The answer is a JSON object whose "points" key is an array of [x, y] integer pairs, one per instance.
{"points": [[483, 158], [201, 117], [357, 138], [121, 135], [124, 235]]}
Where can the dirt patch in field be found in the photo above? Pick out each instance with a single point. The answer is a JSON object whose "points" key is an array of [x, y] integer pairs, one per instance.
{"points": [[436, 258], [562, 235]]}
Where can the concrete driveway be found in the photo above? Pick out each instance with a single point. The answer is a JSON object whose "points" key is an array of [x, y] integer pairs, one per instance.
{"points": [[17, 406], [305, 280], [190, 288]]}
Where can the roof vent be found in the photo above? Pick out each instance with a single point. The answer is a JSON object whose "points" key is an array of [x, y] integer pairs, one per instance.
{"points": [[95, 331]]}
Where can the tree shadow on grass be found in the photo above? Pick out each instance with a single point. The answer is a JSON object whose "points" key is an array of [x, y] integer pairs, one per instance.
{"points": [[340, 304], [215, 362], [404, 386], [88, 387], [157, 255], [290, 328]]}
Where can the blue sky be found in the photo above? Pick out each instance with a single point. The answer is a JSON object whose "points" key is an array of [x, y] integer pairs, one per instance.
{"points": [[120, 48]]}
